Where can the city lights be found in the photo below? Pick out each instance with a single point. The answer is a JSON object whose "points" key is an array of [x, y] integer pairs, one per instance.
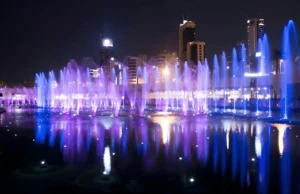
{"points": [[107, 42], [152, 107], [258, 54], [253, 74], [166, 71]]}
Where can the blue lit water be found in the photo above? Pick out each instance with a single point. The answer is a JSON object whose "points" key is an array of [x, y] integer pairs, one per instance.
{"points": [[158, 154]]}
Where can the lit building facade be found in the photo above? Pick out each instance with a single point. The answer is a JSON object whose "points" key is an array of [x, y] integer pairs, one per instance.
{"points": [[196, 52], [143, 57], [106, 51], [107, 61], [186, 35], [162, 59], [163, 62], [132, 64], [255, 31]]}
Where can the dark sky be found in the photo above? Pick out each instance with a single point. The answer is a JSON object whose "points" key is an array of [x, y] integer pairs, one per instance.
{"points": [[43, 35]]}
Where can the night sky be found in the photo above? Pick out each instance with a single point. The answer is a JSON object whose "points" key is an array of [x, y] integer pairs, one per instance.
{"points": [[41, 36]]}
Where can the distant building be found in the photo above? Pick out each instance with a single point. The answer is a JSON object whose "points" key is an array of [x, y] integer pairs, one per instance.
{"points": [[186, 34], [163, 62], [106, 50], [143, 57], [255, 31], [196, 52], [164, 58], [132, 64], [107, 62]]}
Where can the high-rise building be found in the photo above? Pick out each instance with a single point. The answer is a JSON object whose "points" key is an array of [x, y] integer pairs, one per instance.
{"points": [[132, 64], [106, 50], [255, 31], [107, 61], [143, 57], [196, 52], [186, 34], [162, 62], [164, 58]]}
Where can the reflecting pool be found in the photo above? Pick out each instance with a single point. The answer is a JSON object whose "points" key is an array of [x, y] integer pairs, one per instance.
{"points": [[49, 151]]}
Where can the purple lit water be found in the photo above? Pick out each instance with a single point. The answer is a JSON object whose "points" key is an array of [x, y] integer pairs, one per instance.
{"points": [[241, 155]]}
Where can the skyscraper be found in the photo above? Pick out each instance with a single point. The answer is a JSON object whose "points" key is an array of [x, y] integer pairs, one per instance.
{"points": [[107, 61], [255, 31], [162, 59], [196, 52], [186, 34], [106, 50], [132, 64]]}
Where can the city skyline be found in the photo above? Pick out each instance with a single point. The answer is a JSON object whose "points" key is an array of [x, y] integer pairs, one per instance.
{"points": [[30, 52]]}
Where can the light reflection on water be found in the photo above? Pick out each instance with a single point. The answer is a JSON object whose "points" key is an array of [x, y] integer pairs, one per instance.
{"points": [[226, 145]]}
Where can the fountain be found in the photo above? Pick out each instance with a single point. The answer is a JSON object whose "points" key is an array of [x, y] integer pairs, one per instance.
{"points": [[288, 67], [179, 88], [216, 76], [234, 74], [224, 79], [242, 72]]}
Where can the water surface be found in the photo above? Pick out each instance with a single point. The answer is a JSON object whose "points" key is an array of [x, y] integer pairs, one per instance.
{"points": [[86, 153]]}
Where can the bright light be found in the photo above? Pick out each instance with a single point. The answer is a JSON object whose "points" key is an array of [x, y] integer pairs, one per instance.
{"points": [[19, 97], [184, 21], [258, 54], [281, 131], [43, 162], [107, 42], [192, 180], [166, 71], [252, 159], [253, 74], [227, 67], [112, 59], [258, 147], [268, 96], [248, 21], [180, 158], [107, 161]]}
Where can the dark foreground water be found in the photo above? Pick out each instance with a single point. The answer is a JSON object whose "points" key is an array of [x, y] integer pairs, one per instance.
{"points": [[43, 152]]}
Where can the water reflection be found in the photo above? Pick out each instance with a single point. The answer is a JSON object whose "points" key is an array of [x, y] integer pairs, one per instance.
{"points": [[239, 149], [107, 161], [281, 131]]}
